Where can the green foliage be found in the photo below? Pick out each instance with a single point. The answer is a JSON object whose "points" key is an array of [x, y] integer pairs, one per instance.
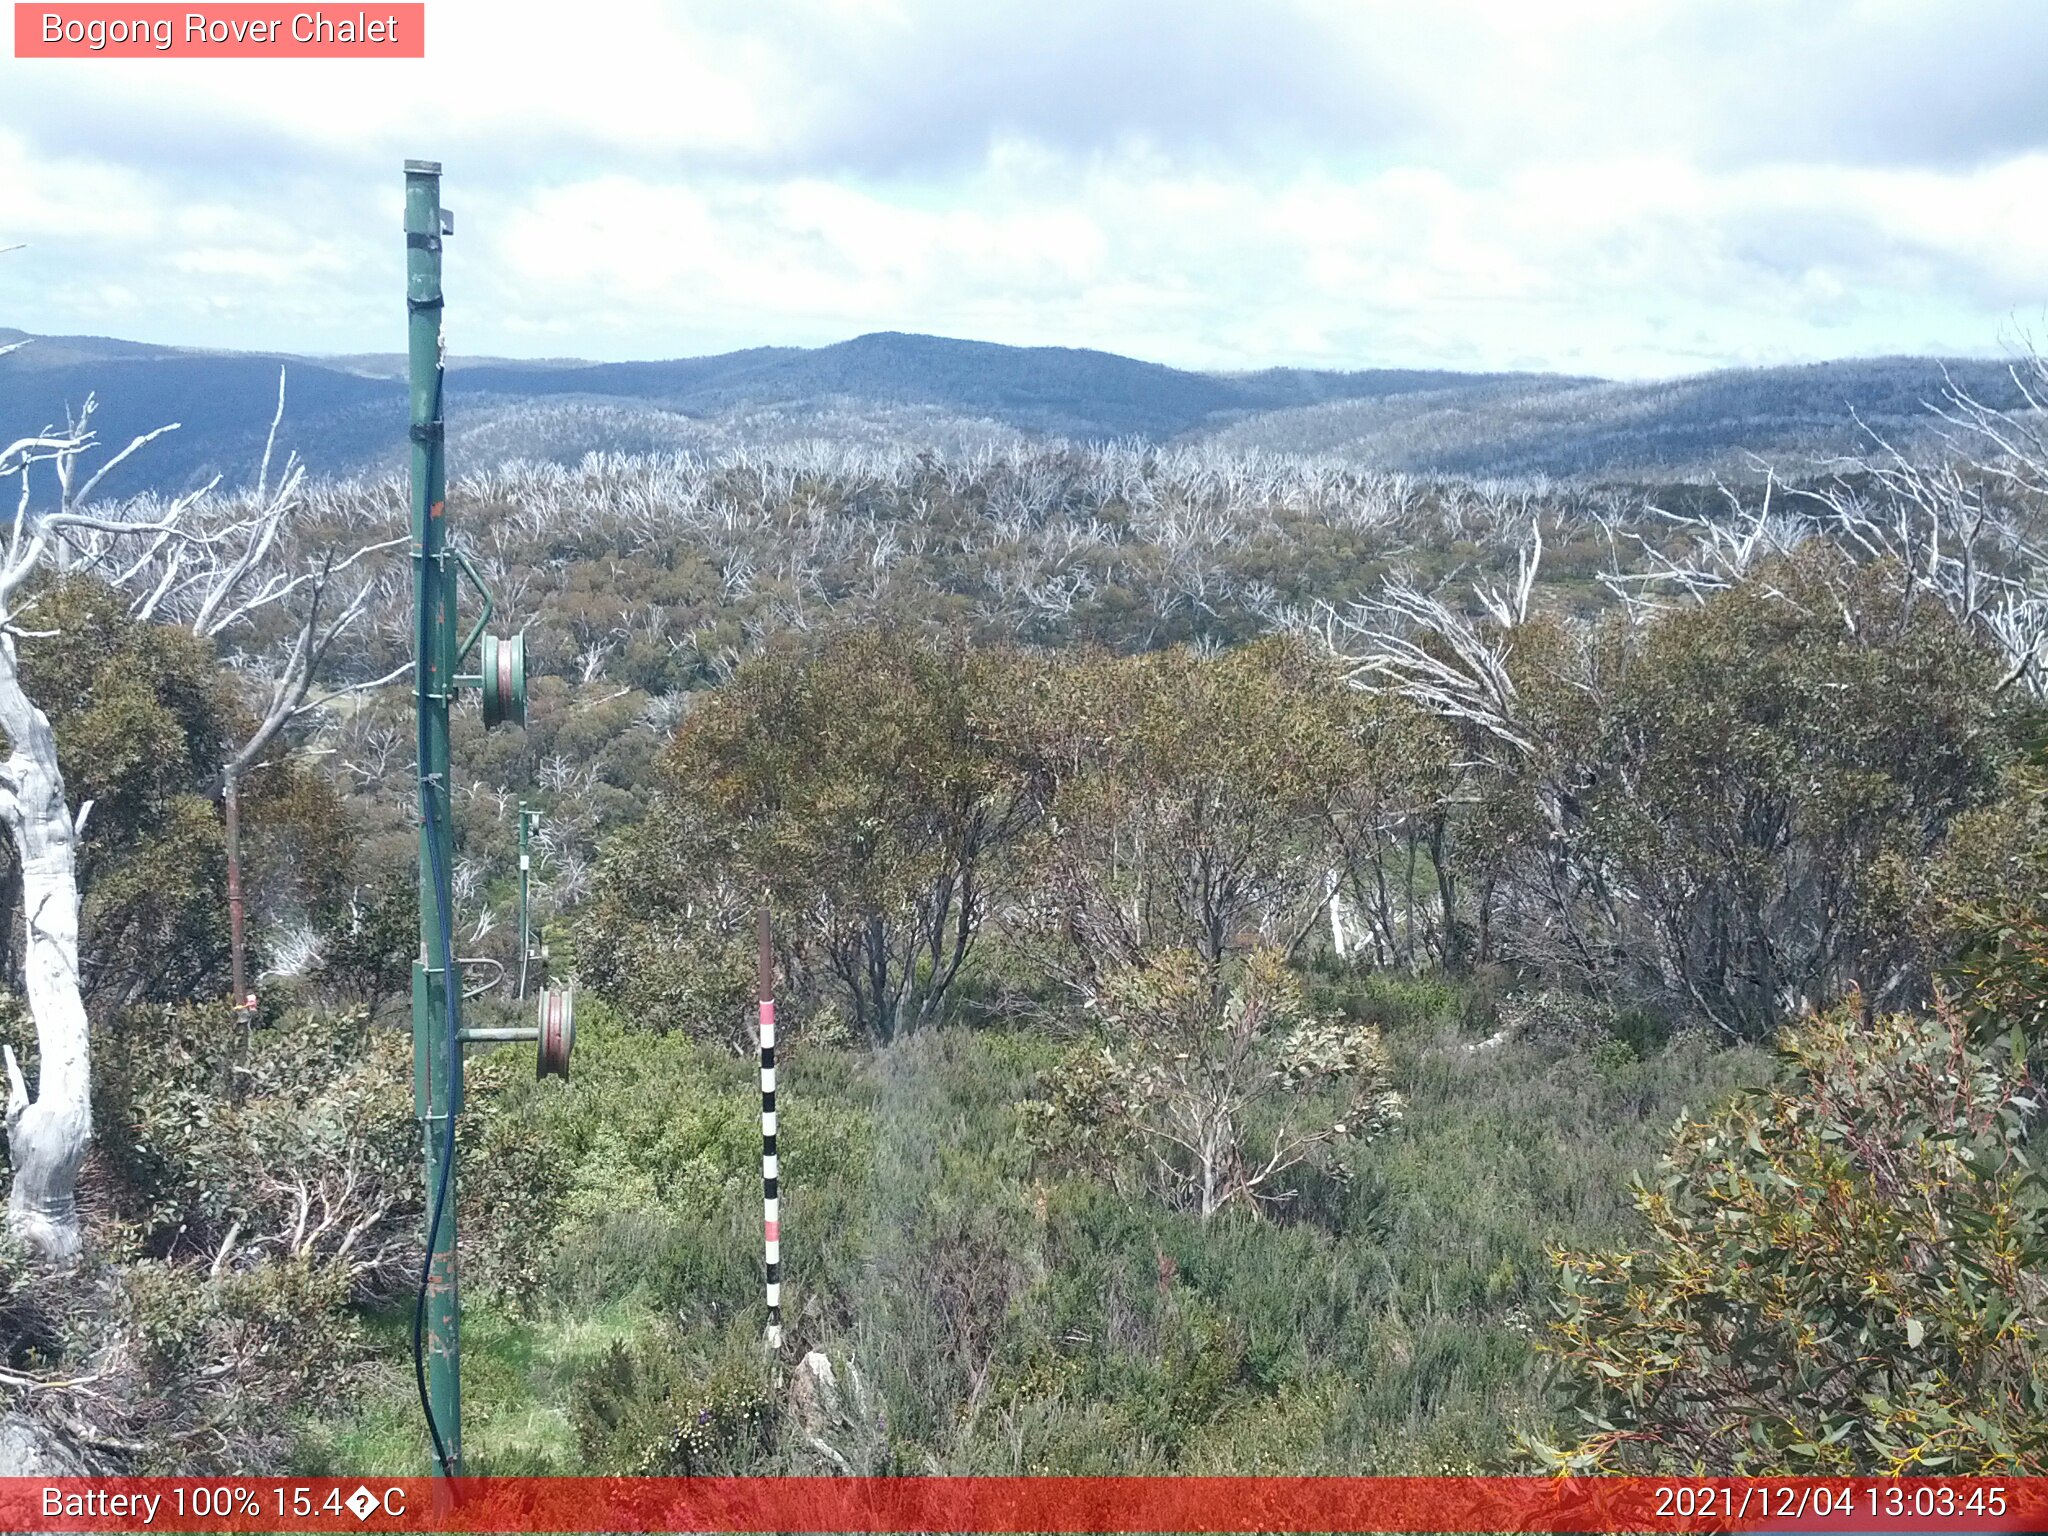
{"points": [[653, 1409], [248, 1193], [301, 848], [144, 717], [1006, 1317], [141, 722], [1847, 1272], [38, 1309], [367, 959], [657, 940], [1987, 902], [1220, 1079], [231, 1144], [1389, 999], [1190, 799], [639, 1175], [1733, 810], [225, 1364], [1731, 807], [1397, 838], [859, 783], [1764, 761]]}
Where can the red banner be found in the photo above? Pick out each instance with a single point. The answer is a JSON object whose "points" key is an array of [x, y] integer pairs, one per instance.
{"points": [[230, 31], [1017, 1504]]}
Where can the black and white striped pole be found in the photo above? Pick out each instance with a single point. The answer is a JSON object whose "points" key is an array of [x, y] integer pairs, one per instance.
{"points": [[771, 1203]]}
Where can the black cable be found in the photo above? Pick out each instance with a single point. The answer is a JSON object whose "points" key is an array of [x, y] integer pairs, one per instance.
{"points": [[430, 822]]}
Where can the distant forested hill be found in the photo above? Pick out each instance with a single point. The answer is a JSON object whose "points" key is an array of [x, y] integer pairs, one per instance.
{"points": [[346, 415], [1593, 428]]}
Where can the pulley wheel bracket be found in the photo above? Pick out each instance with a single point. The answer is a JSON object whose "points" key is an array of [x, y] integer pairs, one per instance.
{"points": [[557, 1032], [503, 680]]}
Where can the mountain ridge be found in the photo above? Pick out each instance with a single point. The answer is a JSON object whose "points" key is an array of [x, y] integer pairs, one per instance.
{"points": [[345, 414]]}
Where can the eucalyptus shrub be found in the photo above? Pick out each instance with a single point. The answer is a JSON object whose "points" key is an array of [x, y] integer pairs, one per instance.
{"points": [[1220, 1079], [1847, 1272]]}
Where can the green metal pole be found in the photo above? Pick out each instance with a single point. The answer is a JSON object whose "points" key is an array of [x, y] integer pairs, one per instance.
{"points": [[437, 1056]]}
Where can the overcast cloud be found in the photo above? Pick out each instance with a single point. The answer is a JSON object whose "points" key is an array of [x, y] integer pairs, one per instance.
{"points": [[1628, 189]]}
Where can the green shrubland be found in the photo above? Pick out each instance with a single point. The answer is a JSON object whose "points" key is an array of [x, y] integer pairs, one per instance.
{"points": [[1216, 1037], [1008, 1314]]}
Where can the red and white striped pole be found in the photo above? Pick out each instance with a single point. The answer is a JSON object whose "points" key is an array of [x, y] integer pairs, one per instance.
{"points": [[771, 1204]]}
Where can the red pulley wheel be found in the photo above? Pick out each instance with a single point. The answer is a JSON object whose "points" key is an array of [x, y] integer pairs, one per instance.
{"points": [[504, 680], [557, 1032]]}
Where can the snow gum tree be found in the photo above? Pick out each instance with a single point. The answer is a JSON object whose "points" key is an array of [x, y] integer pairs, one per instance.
{"points": [[47, 1133], [209, 566]]}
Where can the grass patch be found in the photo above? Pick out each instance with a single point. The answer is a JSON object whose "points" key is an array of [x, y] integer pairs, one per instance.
{"points": [[1009, 1317], [518, 1377]]}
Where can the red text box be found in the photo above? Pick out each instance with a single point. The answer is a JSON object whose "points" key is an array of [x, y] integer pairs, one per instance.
{"points": [[1679, 1506], [230, 31]]}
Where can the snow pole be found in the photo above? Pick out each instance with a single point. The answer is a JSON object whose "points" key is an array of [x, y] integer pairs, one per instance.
{"points": [[526, 953], [771, 1203]]}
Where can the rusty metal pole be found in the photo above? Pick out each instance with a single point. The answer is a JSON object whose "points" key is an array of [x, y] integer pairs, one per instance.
{"points": [[238, 953]]}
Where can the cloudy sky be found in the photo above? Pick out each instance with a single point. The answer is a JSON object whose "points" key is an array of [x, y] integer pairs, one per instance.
{"points": [[1599, 186]]}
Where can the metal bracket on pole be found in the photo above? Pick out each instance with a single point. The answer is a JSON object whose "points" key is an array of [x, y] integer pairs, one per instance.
{"points": [[468, 568], [501, 674]]}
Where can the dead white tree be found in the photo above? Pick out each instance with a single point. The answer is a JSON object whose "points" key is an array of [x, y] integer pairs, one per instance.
{"points": [[207, 566], [1963, 527], [47, 1134], [1461, 668], [255, 567], [1721, 553], [1415, 645]]}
